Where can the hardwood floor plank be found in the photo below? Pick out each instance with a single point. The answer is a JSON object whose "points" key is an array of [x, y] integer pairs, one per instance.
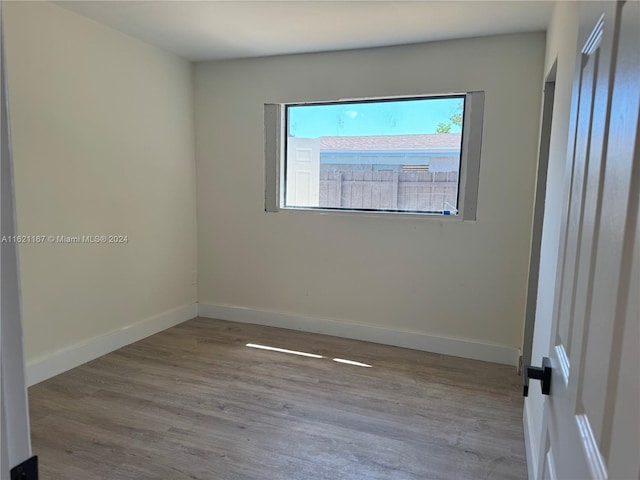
{"points": [[194, 402]]}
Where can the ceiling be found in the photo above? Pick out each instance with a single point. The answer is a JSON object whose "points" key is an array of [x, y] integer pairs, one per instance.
{"points": [[214, 30]]}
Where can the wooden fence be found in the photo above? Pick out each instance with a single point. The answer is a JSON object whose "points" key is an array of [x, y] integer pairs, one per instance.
{"points": [[422, 191]]}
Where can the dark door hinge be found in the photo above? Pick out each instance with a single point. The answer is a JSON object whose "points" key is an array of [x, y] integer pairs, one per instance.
{"points": [[27, 470]]}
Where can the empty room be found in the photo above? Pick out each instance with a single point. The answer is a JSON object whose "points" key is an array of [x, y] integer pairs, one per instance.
{"points": [[320, 240]]}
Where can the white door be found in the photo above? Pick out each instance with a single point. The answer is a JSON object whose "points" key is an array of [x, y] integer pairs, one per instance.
{"points": [[591, 426], [303, 172], [15, 446]]}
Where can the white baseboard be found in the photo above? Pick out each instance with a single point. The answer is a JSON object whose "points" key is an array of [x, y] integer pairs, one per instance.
{"points": [[55, 363], [530, 443], [414, 340]]}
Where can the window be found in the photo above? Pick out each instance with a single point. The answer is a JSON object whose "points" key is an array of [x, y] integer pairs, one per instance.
{"points": [[416, 155]]}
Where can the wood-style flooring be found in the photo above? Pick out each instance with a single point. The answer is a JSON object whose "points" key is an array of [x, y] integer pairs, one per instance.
{"points": [[194, 402]]}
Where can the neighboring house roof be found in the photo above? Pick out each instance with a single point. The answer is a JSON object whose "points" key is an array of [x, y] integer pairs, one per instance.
{"points": [[393, 142]]}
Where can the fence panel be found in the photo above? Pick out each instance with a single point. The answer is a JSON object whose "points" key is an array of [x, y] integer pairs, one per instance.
{"points": [[385, 190]]}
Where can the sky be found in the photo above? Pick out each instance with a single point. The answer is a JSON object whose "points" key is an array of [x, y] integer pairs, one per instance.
{"points": [[372, 118]]}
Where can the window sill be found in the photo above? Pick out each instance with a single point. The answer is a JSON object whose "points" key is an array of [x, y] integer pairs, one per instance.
{"points": [[371, 214]]}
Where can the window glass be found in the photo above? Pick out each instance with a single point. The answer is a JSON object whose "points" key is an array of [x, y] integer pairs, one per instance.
{"points": [[400, 155]]}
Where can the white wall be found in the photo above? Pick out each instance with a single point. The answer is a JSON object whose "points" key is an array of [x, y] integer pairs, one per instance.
{"points": [[452, 279], [103, 136], [562, 37]]}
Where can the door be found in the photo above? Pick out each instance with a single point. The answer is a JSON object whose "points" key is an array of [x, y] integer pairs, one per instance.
{"points": [[303, 172], [538, 214], [15, 446], [592, 417]]}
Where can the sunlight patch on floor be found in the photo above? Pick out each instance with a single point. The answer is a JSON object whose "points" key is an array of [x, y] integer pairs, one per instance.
{"points": [[305, 354], [351, 362], [283, 350]]}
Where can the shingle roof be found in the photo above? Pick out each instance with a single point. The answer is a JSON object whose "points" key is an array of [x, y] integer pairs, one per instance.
{"points": [[392, 142]]}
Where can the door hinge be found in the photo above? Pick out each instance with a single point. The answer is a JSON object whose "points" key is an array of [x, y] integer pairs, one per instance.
{"points": [[27, 470]]}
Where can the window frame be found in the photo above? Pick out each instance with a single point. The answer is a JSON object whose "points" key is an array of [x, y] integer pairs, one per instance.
{"points": [[276, 126]]}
